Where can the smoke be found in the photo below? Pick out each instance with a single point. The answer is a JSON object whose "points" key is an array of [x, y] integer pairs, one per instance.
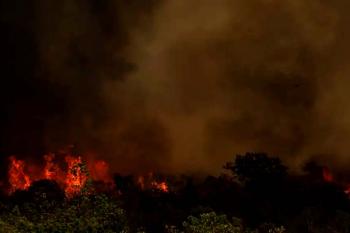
{"points": [[180, 85], [235, 76]]}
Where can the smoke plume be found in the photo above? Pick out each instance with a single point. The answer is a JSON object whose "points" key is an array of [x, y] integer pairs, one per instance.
{"points": [[177, 85]]}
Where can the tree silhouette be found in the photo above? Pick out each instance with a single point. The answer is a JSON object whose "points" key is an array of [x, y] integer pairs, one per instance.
{"points": [[257, 168]]}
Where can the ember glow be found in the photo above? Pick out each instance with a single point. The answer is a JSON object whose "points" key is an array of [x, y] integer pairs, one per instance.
{"points": [[141, 182], [347, 190], [162, 186], [329, 178], [150, 182], [327, 175], [71, 176]]}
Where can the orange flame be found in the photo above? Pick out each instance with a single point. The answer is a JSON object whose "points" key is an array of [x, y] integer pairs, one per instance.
{"points": [[17, 177], [150, 183], [162, 186], [72, 179], [51, 170], [76, 178]]}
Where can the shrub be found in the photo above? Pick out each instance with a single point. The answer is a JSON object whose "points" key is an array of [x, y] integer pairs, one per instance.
{"points": [[90, 214]]}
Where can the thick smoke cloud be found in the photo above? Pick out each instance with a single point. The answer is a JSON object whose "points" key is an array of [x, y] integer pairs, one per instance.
{"points": [[177, 85]]}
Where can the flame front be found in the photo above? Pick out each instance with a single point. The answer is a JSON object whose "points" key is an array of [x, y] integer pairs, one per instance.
{"points": [[18, 179], [72, 179], [72, 175]]}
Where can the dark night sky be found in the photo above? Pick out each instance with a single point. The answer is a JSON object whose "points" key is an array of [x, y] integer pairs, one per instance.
{"points": [[176, 85]]}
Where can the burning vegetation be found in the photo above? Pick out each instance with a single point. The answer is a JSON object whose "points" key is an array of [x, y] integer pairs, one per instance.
{"points": [[71, 174], [149, 182], [72, 178], [257, 189], [18, 179]]}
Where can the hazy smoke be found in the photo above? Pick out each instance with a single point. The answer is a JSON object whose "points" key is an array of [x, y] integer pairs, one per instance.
{"points": [[180, 85]]}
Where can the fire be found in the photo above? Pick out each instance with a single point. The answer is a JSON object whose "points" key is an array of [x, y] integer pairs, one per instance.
{"points": [[162, 186], [76, 177], [18, 179], [328, 177], [72, 174], [99, 170], [51, 170], [72, 178], [151, 183]]}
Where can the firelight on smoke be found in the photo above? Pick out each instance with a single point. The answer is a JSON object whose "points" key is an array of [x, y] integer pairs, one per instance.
{"points": [[51, 169]]}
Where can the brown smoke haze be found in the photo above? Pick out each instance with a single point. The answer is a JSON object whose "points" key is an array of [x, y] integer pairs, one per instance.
{"points": [[184, 85]]}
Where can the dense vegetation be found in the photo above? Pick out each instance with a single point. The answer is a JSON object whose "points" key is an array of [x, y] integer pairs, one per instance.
{"points": [[258, 196]]}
